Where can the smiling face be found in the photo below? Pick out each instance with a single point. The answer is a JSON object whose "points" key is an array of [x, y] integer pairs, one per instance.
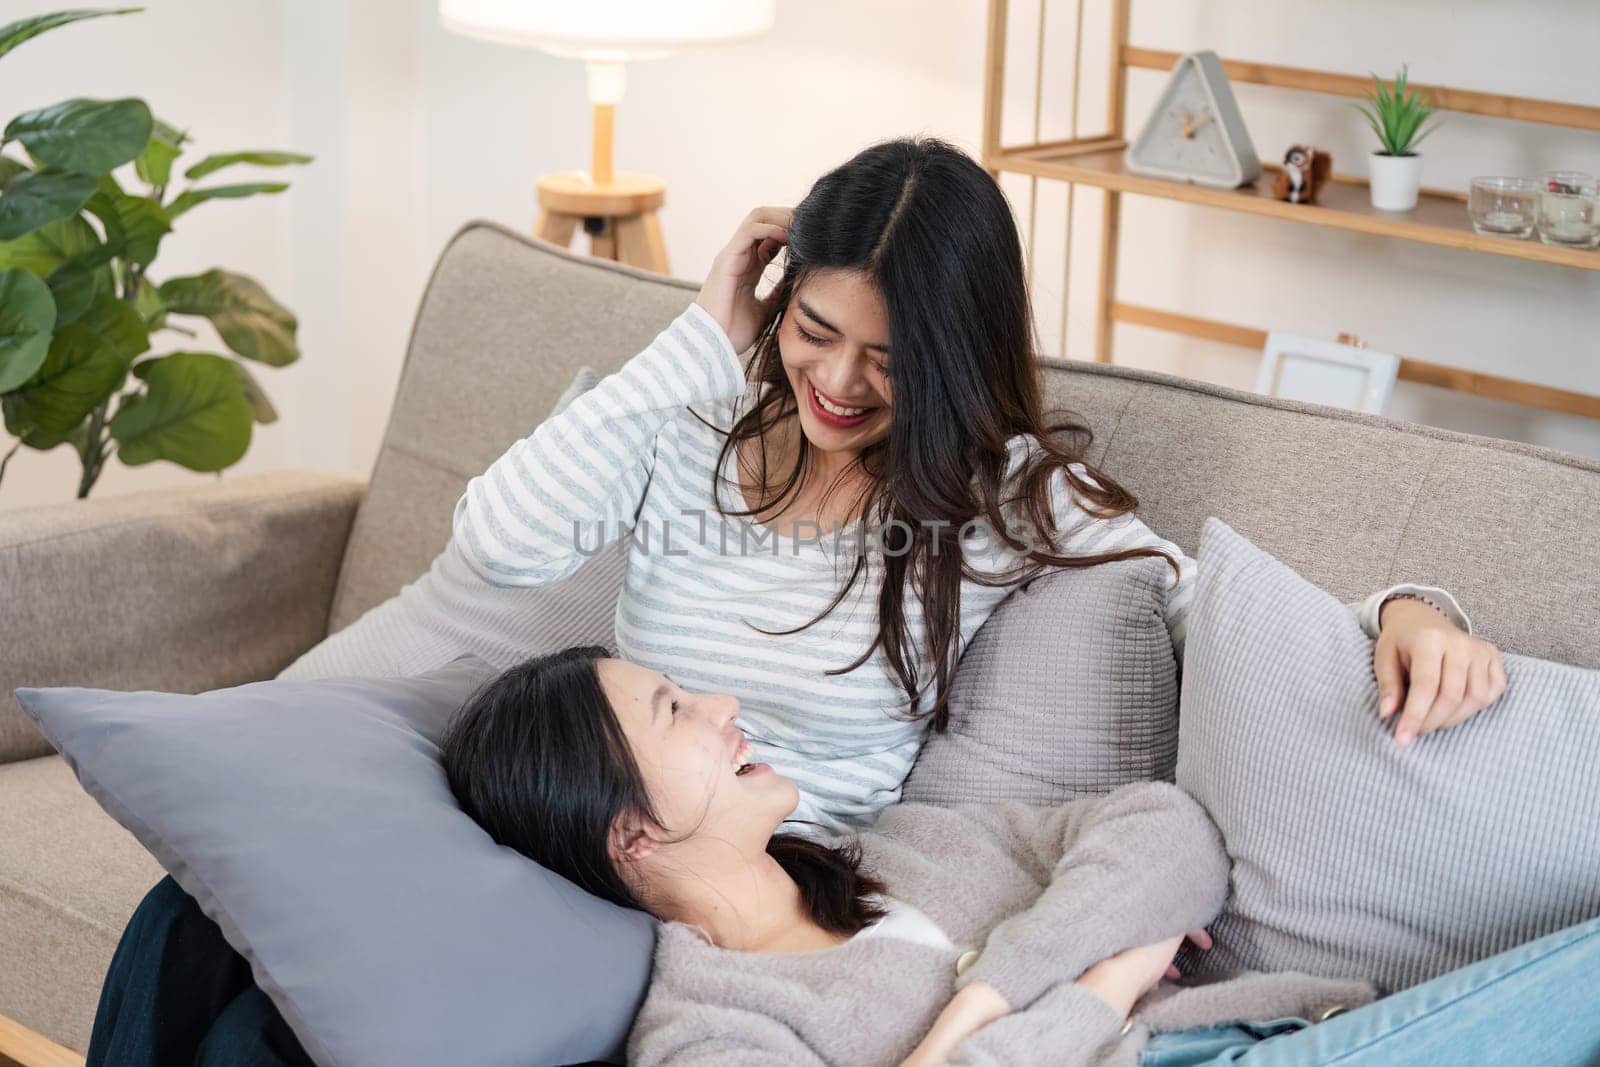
{"points": [[694, 761], [834, 342]]}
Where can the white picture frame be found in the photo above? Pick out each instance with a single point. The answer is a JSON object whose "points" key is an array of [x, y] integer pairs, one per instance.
{"points": [[1327, 372]]}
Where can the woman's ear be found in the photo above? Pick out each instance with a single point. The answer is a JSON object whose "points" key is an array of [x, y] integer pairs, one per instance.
{"points": [[630, 840]]}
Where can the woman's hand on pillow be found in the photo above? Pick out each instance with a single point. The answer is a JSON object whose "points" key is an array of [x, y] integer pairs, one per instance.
{"points": [[1444, 675]]}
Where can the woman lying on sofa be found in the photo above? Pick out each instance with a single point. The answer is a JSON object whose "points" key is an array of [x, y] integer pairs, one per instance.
{"points": [[979, 934]]}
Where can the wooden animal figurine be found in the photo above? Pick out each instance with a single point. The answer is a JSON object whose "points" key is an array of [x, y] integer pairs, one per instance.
{"points": [[1305, 171]]}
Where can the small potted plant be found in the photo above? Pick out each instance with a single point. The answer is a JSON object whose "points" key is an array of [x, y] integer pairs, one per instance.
{"points": [[1396, 114]]}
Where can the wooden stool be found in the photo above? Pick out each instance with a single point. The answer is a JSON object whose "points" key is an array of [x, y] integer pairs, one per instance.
{"points": [[619, 216]]}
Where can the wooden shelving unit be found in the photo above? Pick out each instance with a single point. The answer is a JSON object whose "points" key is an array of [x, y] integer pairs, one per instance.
{"points": [[1097, 161]]}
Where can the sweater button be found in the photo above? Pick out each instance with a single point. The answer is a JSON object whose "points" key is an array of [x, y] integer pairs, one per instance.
{"points": [[967, 959]]}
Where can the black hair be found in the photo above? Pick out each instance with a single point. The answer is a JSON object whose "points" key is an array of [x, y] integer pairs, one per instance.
{"points": [[538, 757], [932, 231]]}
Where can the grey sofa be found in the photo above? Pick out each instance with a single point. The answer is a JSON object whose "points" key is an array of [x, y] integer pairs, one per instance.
{"points": [[230, 580]]}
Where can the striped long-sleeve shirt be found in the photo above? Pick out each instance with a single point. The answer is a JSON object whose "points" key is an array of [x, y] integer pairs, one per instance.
{"points": [[628, 459]]}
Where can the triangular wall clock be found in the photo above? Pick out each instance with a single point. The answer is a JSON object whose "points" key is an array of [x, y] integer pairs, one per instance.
{"points": [[1196, 133]]}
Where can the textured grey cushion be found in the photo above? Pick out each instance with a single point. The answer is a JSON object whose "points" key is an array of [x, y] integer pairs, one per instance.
{"points": [[450, 610], [1069, 689], [313, 822], [1353, 857]]}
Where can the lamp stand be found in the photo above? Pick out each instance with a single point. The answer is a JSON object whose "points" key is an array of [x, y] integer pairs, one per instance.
{"points": [[618, 211]]}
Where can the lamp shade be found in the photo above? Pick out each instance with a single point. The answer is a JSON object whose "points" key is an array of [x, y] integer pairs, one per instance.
{"points": [[608, 30]]}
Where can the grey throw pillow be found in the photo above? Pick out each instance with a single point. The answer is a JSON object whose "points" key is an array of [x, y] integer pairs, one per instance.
{"points": [[1353, 857], [313, 822], [1069, 689], [450, 610]]}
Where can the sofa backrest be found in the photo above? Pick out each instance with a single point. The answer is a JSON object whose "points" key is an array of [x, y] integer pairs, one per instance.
{"points": [[1354, 502]]}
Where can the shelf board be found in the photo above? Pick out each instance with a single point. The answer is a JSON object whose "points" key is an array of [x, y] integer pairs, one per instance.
{"points": [[1411, 370], [1438, 219]]}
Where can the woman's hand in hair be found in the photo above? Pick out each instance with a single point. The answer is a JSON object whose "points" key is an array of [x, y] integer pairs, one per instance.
{"points": [[729, 292], [1444, 674]]}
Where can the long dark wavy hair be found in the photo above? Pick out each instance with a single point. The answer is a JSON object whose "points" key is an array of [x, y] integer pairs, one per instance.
{"points": [[539, 759], [934, 233]]}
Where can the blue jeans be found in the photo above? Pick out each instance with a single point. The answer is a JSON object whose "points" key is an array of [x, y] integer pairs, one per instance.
{"points": [[1539, 1003], [177, 994]]}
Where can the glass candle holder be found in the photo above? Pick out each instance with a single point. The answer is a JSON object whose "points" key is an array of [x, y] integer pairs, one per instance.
{"points": [[1567, 213], [1503, 207]]}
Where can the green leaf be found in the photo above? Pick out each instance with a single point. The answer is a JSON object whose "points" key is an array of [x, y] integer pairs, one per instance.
{"points": [[43, 440], [76, 287], [251, 323], [35, 198], [88, 361], [84, 136], [147, 301], [1396, 114], [1372, 120], [154, 165], [76, 282], [46, 248], [189, 199], [194, 414], [261, 159], [75, 293], [260, 406], [15, 33], [31, 435], [135, 224], [27, 317], [90, 256]]}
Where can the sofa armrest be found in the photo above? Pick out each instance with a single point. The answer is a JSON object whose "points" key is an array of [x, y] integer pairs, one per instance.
{"points": [[184, 590]]}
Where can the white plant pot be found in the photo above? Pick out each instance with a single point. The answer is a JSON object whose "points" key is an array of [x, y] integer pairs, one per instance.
{"points": [[1395, 181]]}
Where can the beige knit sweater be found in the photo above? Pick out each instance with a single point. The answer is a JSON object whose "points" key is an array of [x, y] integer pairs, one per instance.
{"points": [[1044, 893]]}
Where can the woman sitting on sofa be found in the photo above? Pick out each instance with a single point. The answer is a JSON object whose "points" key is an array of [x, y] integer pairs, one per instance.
{"points": [[823, 531], [980, 934]]}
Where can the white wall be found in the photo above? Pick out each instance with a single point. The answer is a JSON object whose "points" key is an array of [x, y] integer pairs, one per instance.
{"points": [[417, 130]]}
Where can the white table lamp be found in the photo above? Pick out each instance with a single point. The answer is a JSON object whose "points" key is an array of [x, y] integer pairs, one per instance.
{"points": [[606, 34]]}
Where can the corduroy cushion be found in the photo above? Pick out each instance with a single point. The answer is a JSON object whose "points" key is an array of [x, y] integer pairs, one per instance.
{"points": [[1354, 857], [313, 822], [1069, 689], [450, 610]]}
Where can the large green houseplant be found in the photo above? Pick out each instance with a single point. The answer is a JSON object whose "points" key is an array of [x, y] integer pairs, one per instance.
{"points": [[78, 304]]}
